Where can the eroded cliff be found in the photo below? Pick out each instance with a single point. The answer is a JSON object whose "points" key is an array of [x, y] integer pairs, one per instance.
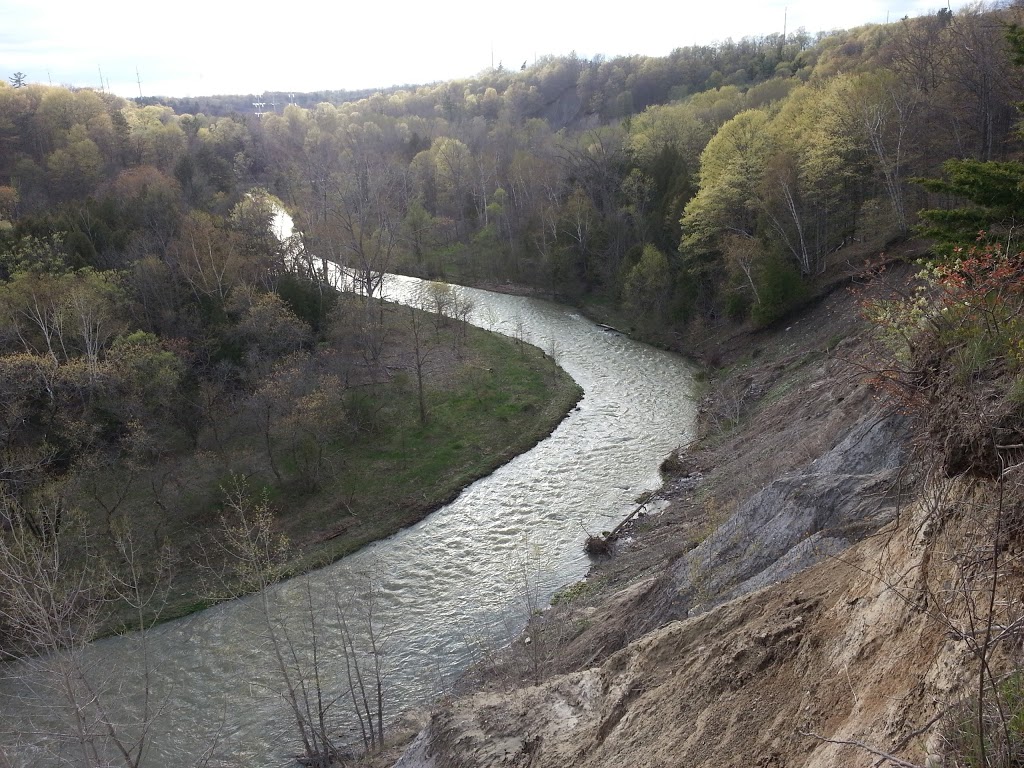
{"points": [[812, 595]]}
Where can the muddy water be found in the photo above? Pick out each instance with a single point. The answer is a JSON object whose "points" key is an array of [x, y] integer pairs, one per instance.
{"points": [[448, 590]]}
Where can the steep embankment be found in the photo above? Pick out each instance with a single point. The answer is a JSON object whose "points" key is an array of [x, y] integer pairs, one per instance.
{"points": [[790, 606]]}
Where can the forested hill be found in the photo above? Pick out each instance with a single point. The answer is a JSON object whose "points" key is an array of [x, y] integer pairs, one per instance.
{"points": [[167, 364], [598, 90], [713, 185], [710, 183]]}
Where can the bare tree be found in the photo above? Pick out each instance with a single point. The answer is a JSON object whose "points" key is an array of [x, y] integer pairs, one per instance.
{"points": [[423, 347], [330, 652], [55, 595]]}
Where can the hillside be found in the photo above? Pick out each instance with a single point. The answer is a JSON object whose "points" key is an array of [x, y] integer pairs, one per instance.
{"points": [[169, 365], [814, 593]]}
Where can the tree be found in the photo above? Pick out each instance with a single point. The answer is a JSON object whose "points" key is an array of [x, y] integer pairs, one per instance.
{"points": [[156, 138], [8, 202], [994, 192], [983, 81], [648, 288], [310, 673], [17, 79], [418, 227], [731, 166], [364, 217], [453, 170], [267, 327], [881, 110], [54, 592], [742, 257], [808, 181], [253, 219], [150, 203], [75, 168], [422, 350], [312, 417], [63, 316], [210, 259], [150, 377]]}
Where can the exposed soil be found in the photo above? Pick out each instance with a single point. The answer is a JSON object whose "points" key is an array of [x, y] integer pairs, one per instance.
{"points": [[797, 391], [789, 606]]}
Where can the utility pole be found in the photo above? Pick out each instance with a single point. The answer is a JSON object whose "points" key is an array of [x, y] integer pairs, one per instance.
{"points": [[101, 78], [138, 80]]}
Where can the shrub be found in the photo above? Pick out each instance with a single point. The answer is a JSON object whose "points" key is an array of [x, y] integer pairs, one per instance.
{"points": [[989, 733], [780, 288]]}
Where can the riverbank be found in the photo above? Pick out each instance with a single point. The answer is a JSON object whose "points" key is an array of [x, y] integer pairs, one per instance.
{"points": [[444, 591], [449, 404], [745, 613]]}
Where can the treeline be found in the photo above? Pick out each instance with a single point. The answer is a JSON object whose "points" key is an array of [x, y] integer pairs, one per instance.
{"points": [[572, 89], [723, 202], [140, 276], [713, 182]]}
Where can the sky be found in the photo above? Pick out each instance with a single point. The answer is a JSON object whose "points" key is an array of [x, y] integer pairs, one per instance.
{"points": [[201, 48]]}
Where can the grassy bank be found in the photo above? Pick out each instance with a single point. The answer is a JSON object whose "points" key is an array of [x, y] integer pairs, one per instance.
{"points": [[381, 461], [502, 399]]}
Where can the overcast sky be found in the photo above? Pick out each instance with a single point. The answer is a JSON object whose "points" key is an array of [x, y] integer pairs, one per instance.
{"points": [[193, 48]]}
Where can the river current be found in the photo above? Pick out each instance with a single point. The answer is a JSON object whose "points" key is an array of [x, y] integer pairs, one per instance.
{"points": [[448, 590]]}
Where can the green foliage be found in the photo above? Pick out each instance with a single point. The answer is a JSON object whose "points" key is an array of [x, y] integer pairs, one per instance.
{"points": [[737, 305], [781, 290], [573, 593], [898, 322], [256, 552], [151, 375], [994, 192], [731, 164], [962, 332], [647, 290], [989, 733], [307, 299], [32, 254]]}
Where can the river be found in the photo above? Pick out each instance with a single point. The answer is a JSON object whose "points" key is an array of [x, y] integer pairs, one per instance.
{"points": [[448, 590]]}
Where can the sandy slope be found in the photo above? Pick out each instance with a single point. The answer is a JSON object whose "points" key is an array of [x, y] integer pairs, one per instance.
{"points": [[791, 607]]}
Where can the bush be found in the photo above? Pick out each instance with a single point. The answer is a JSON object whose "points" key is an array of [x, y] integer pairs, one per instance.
{"points": [[737, 306], [959, 360], [1000, 717], [308, 300], [780, 288]]}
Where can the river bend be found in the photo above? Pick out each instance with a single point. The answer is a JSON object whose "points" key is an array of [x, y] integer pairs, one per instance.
{"points": [[449, 588]]}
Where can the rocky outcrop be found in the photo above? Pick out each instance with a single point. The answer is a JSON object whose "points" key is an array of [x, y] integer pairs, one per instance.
{"points": [[797, 520]]}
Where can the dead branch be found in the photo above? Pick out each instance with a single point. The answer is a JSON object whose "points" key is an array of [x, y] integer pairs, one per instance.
{"points": [[901, 763]]}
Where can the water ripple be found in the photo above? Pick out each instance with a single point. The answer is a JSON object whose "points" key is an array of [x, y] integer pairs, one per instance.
{"points": [[452, 585]]}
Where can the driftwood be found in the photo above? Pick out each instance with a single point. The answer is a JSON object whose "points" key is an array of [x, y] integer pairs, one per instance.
{"points": [[597, 546]]}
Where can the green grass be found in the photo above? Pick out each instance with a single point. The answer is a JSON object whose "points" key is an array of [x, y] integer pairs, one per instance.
{"points": [[503, 401], [487, 400], [576, 592], [1001, 722]]}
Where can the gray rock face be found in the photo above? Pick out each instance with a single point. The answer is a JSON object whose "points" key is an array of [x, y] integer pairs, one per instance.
{"points": [[795, 521]]}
